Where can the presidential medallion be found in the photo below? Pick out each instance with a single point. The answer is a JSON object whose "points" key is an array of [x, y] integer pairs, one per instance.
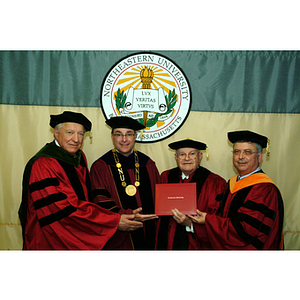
{"points": [[130, 190]]}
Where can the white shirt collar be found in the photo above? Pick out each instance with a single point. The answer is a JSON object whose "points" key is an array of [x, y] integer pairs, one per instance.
{"points": [[256, 170], [56, 142], [184, 176]]}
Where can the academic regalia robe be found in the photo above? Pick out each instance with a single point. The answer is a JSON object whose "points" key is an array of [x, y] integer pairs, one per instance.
{"points": [[55, 211], [109, 193], [250, 216], [173, 236]]}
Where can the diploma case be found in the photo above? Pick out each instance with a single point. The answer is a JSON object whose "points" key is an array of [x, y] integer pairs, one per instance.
{"points": [[182, 196]]}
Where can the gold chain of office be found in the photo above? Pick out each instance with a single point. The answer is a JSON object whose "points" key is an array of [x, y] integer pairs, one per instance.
{"points": [[129, 189]]}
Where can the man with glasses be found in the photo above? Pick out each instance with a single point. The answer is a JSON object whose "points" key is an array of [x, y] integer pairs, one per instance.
{"points": [[251, 213], [123, 181], [178, 232]]}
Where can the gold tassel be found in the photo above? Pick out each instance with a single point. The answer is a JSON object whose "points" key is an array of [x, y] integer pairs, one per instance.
{"points": [[207, 154], [141, 134], [91, 134], [268, 148]]}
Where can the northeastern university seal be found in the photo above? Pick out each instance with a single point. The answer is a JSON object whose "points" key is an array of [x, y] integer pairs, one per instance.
{"points": [[151, 89]]}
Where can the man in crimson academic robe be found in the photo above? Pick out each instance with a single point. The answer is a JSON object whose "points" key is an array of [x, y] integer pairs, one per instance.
{"points": [[178, 232], [56, 212], [251, 213], [123, 181]]}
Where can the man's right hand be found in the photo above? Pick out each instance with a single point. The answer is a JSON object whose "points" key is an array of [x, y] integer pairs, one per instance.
{"points": [[127, 224]]}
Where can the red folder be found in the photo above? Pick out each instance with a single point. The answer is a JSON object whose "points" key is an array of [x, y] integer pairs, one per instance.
{"points": [[182, 196]]}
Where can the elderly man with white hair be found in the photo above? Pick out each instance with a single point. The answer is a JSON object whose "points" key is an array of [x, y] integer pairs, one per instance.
{"points": [[178, 232]]}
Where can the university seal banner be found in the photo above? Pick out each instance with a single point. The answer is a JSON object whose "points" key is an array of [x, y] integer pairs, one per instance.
{"points": [[151, 89]]}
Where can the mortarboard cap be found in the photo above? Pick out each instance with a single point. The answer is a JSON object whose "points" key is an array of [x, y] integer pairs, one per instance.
{"points": [[69, 116], [187, 143], [249, 136], [124, 122]]}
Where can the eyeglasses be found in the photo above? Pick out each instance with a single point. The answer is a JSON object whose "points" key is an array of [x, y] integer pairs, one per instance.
{"points": [[127, 135], [190, 155], [247, 152]]}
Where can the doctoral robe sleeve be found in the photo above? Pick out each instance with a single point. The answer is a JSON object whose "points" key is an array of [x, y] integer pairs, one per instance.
{"points": [[164, 176], [66, 221], [208, 201], [254, 226]]}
